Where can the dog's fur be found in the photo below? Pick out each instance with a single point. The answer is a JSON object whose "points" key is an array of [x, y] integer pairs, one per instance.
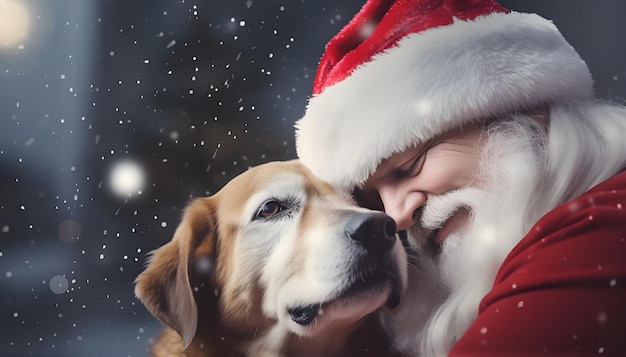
{"points": [[275, 264]]}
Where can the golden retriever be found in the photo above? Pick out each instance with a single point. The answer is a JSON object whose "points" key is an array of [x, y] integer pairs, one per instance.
{"points": [[276, 263]]}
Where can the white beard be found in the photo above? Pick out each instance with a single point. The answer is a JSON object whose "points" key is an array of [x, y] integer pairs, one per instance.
{"points": [[447, 287]]}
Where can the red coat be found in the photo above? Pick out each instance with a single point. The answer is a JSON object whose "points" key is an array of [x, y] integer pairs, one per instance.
{"points": [[562, 290]]}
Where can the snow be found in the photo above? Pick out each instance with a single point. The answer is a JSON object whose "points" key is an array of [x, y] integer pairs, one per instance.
{"points": [[117, 114]]}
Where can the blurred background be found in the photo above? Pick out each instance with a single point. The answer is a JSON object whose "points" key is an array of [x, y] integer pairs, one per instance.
{"points": [[114, 114]]}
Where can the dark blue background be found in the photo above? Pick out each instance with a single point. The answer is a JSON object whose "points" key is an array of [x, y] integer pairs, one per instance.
{"points": [[196, 92]]}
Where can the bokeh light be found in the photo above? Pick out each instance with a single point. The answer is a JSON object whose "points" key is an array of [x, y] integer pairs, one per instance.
{"points": [[59, 284], [69, 231], [127, 178], [14, 23]]}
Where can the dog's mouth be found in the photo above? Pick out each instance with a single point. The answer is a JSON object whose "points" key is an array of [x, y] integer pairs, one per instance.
{"points": [[364, 287]]}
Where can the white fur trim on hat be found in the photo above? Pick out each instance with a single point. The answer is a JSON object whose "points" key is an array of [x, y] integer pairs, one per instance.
{"points": [[433, 81]]}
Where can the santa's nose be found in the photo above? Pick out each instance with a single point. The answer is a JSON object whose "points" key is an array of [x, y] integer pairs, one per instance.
{"points": [[403, 220], [402, 207]]}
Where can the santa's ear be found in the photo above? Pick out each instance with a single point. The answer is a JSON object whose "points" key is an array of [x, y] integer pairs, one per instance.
{"points": [[164, 287]]}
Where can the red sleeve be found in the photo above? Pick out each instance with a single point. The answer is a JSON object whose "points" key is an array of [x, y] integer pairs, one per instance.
{"points": [[562, 289]]}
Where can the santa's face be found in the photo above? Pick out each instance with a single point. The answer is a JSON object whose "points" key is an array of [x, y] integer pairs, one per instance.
{"points": [[403, 182], [467, 192]]}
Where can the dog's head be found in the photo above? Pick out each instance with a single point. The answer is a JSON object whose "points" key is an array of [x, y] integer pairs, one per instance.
{"points": [[275, 246]]}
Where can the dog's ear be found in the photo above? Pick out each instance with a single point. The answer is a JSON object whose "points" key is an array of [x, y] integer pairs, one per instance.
{"points": [[164, 287]]}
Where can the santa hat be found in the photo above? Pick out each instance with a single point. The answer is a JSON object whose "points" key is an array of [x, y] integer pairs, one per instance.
{"points": [[401, 72]]}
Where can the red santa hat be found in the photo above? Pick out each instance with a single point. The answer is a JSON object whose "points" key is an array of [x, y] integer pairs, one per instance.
{"points": [[401, 72]]}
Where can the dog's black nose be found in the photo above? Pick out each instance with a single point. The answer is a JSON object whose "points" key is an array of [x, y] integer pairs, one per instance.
{"points": [[375, 231], [304, 315]]}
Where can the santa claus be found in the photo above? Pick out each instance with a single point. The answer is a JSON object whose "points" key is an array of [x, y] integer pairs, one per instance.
{"points": [[476, 129]]}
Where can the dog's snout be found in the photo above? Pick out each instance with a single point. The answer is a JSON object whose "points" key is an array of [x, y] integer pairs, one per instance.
{"points": [[375, 231]]}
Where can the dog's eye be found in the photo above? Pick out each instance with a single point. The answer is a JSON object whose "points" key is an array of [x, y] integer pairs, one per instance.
{"points": [[269, 209]]}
